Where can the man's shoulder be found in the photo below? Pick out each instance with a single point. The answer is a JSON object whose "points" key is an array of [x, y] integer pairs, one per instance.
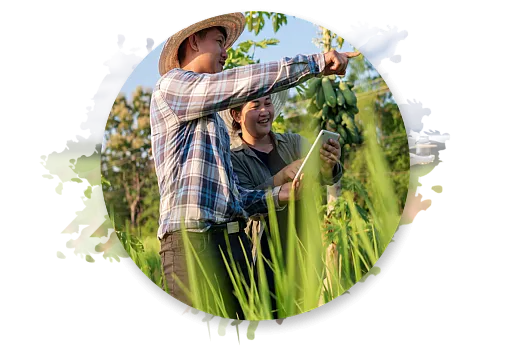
{"points": [[172, 75]]}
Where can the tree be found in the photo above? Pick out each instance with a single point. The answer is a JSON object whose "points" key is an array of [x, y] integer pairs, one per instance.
{"points": [[126, 161], [244, 52]]}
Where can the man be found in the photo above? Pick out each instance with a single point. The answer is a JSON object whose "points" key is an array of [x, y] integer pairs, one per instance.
{"points": [[191, 150]]}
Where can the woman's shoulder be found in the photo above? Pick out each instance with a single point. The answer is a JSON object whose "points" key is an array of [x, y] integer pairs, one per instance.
{"points": [[238, 155], [288, 137]]}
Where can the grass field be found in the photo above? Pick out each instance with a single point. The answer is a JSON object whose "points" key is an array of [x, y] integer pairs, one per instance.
{"points": [[334, 250], [360, 227]]}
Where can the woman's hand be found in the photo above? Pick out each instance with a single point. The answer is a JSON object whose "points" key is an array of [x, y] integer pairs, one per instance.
{"points": [[329, 153], [287, 173]]}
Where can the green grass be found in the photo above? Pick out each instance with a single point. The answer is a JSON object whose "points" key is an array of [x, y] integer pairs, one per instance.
{"points": [[359, 227]]}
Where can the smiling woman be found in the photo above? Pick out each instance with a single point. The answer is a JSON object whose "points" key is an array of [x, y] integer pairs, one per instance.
{"points": [[264, 159]]}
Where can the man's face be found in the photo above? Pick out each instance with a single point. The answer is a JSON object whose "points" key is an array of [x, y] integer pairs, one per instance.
{"points": [[212, 54]]}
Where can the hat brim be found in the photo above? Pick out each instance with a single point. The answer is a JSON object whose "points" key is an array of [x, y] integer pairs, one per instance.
{"points": [[278, 99], [234, 24]]}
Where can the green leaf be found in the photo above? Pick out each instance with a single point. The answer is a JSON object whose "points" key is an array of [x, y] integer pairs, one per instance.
{"points": [[89, 258], [340, 42], [112, 249], [373, 271], [251, 331], [48, 176], [245, 46], [59, 188], [236, 323], [259, 25], [221, 330], [249, 21], [60, 255], [104, 181], [271, 41], [418, 171], [68, 243], [130, 241], [208, 317]]}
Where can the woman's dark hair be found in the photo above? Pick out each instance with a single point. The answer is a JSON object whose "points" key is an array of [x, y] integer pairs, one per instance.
{"points": [[236, 110]]}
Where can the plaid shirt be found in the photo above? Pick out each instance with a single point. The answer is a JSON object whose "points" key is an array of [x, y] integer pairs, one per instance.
{"points": [[191, 145]]}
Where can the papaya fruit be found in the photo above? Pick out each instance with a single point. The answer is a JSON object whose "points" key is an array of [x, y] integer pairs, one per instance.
{"points": [[313, 85], [320, 98], [342, 132], [332, 124], [328, 91], [350, 98], [340, 99], [326, 112]]}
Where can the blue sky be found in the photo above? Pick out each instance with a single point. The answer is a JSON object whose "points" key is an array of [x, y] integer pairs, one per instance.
{"points": [[295, 38]]}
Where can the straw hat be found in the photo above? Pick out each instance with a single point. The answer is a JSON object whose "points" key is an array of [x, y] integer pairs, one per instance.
{"points": [[234, 24], [277, 99]]}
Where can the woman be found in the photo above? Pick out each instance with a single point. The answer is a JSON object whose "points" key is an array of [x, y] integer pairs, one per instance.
{"points": [[262, 159]]}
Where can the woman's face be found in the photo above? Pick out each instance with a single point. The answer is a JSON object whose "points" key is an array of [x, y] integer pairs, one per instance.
{"points": [[257, 117]]}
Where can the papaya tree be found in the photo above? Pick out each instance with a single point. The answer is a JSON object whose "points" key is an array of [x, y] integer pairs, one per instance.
{"points": [[333, 105]]}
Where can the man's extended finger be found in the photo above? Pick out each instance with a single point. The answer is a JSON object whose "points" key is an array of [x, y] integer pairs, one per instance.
{"points": [[352, 54]]}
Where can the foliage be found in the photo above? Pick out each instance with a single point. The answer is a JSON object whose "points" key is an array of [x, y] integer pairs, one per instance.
{"points": [[255, 20], [90, 231], [359, 224], [126, 165], [244, 53]]}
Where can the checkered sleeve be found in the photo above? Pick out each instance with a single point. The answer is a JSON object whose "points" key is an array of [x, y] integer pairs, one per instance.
{"points": [[193, 95], [255, 201]]}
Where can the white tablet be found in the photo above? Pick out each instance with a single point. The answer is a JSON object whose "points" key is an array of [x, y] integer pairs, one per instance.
{"points": [[323, 137]]}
